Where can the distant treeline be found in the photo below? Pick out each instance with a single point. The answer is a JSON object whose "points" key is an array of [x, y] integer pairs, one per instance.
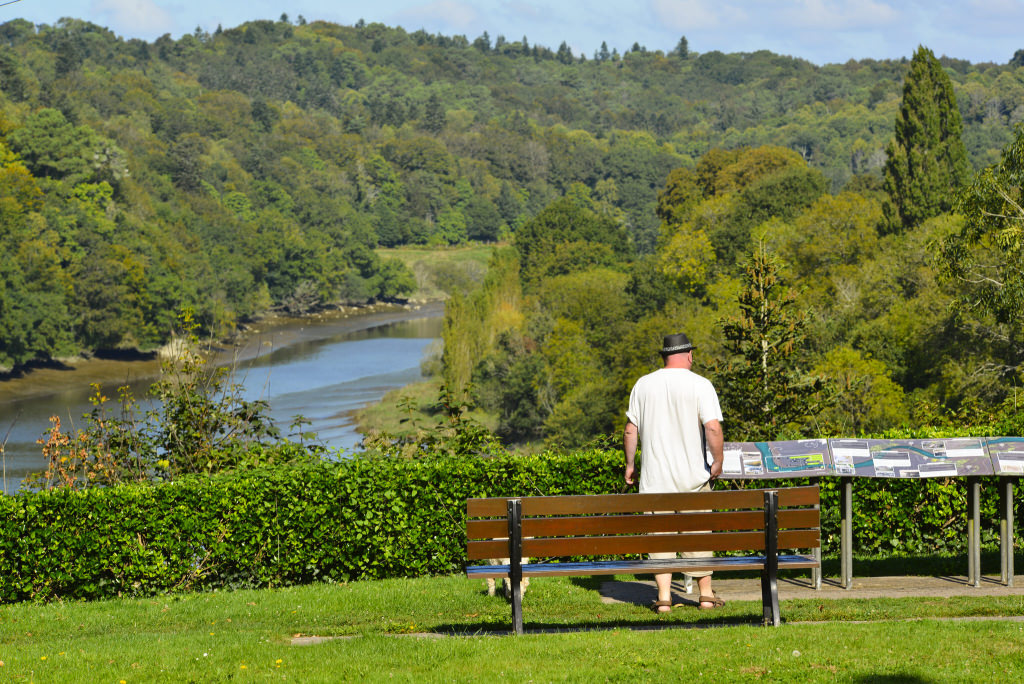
{"points": [[258, 167]]}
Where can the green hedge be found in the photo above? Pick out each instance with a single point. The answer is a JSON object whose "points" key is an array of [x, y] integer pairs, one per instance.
{"points": [[363, 518]]}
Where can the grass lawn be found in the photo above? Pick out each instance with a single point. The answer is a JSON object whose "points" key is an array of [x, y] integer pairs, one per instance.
{"points": [[448, 629]]}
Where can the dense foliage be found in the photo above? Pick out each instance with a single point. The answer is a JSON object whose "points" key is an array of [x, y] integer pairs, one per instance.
{"points": [[811, 313], [363, 518], [258, 167]]}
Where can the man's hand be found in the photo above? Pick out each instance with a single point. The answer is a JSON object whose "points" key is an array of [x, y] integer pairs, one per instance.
{"points": [[630, 437], [716, 442], [716, 470]]}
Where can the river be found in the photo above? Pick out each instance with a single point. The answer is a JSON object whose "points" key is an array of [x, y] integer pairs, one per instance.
{"points": [[323, 368]]}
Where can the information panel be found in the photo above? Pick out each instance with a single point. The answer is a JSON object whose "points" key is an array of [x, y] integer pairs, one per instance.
{"points": [[775, 460], [1007, 455], [910, 458]]}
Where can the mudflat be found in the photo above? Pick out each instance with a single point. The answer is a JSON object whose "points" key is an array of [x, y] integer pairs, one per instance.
{"points": [[272, 332]]}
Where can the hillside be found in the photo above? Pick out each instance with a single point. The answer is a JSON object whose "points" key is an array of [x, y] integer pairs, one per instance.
{"points": [[259, 167]]}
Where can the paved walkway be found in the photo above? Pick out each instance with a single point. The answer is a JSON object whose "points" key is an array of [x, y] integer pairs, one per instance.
{"points": [[644, 592]]}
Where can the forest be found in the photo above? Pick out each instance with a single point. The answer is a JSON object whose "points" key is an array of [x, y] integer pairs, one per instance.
{"points": [[260, 168], [894, 304]]}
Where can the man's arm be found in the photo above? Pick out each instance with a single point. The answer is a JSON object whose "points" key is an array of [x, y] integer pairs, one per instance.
{"points": [[716, 443], [629, 441]]}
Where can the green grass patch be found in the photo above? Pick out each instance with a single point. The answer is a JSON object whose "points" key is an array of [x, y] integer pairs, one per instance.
{"points": [[448, 629], [441, 271]]}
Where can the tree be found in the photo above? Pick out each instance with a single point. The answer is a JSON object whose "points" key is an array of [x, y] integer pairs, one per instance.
{"points": [[986, 257], [51, 146], [186, 163], [683, 48], [763, 391], [867, 400], [927, 160], [564, 54], [566, 237], [434, 115]]}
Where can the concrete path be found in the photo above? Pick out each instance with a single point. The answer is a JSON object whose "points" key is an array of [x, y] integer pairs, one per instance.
{"points": [[643, 592]]}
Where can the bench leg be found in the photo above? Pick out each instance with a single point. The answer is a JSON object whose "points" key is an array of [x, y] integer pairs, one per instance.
{"points": [[515, 563], [770, 598], [770, 574], [517, 608]]}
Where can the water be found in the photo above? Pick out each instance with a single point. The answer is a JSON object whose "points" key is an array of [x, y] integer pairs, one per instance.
{"points": [[323, 370]]}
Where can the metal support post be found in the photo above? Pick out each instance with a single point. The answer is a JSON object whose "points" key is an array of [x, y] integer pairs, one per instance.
{"points": [[846, 533], [1006, 530], [816, 554], [816, 572], [974, 531]]}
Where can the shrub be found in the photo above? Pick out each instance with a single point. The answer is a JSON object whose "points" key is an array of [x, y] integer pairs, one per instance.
{"points": [[362, 518]]}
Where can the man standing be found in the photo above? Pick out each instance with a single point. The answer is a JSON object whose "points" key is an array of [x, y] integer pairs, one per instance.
{"points": [[667, 411]]}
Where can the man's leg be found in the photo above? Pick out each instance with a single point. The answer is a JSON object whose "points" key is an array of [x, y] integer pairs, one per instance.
{"points": [[704, 584], [664, 583], [664, 580]]}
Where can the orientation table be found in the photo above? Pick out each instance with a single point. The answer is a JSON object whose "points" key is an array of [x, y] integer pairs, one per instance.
{"points": [[968, 457]]}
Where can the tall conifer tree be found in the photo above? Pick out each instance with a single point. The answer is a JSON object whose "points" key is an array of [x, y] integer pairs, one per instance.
{"points": [[927, 160], [763, 389]]}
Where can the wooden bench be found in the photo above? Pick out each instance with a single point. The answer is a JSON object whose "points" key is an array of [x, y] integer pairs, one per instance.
{"points": [[623, 525]]}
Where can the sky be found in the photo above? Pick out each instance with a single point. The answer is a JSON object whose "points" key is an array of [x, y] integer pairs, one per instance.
{"points": [[821, 31]]}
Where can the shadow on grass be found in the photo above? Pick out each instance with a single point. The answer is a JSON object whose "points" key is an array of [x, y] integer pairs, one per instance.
{"points": [[927, 566], [686, 614], [654, 623]]}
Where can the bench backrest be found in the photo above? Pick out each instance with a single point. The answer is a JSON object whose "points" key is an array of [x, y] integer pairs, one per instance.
{"points": [[618, 524]]}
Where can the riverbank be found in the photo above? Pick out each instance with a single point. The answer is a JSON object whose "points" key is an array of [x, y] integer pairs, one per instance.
{"points": [[322, 368], [266, 335]]}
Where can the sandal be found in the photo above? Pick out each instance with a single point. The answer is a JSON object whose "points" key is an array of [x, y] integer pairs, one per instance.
{"points": [[713, 600], [658, 605]]}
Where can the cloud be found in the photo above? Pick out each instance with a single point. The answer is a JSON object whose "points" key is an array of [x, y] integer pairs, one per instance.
{"points": [[696, 15], [134, 17], [831, 15], [451, 14]]}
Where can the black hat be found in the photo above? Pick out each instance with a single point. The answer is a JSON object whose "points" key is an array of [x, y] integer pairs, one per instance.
{"points": [[675, 344]]}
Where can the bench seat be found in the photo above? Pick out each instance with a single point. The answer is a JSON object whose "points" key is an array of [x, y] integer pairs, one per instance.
{"points": [[642, 567]]}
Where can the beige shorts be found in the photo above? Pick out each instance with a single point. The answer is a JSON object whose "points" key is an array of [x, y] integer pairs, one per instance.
{"points": [[684, 554]]}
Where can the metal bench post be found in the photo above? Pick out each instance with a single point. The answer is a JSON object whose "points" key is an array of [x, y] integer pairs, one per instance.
{"points": [[515, 561], [816, 553], [1006, 529], [974, 531], [846, 533], [769, 576]]}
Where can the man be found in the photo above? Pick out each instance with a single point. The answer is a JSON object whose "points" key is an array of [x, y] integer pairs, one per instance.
{"points": [[667, 409]]}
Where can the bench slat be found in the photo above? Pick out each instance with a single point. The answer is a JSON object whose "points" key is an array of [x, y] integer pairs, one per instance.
{"points": [[634, 524], [630, 567], [633, 503], [643, 544], [809, 495], [612, 546]]}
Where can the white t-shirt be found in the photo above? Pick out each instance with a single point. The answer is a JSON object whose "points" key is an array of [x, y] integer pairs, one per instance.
{"points": [[670, 407]]}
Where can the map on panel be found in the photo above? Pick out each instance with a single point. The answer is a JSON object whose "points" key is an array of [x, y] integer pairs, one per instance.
{"points": [[1007, 455], [910, 458], [774, 460]]}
